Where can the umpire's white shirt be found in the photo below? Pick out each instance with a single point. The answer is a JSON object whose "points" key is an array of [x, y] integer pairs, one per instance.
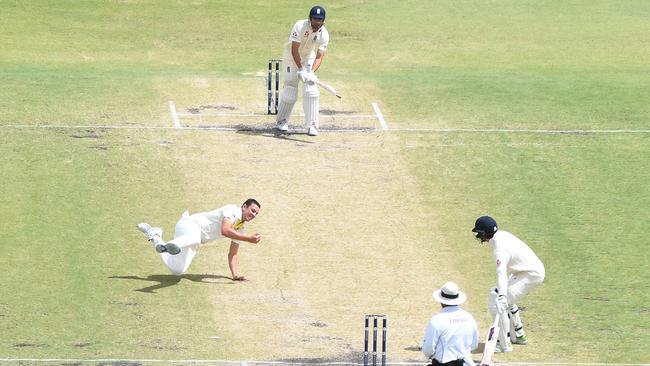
{"points": [[309, 40], [513, 256], [211, 221], [450, 335]]}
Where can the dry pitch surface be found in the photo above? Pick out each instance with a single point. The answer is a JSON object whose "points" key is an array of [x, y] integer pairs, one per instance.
{"points": [[344, 233], [338, 242]]}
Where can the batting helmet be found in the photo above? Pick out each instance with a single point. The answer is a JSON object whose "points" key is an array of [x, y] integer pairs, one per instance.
{"points": [[317, 12], [484, 228]]}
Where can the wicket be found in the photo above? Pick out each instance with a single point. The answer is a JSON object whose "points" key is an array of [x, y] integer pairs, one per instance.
{"points": [[273, 96], [375, 318]]}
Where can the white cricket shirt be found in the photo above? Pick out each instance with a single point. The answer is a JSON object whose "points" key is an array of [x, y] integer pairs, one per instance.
{"points": [[511, 256], [450, 335], [210, 222], [309, 40]]}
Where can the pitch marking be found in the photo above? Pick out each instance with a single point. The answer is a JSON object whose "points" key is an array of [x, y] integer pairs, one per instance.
{"points": [[380, 116], [172, 109]]}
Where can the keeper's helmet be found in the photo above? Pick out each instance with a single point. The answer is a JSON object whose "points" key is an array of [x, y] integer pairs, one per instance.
{"points": [[484, 228], [317, 12]]}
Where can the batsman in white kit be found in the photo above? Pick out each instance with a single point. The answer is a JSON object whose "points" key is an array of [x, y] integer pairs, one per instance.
{"points": [[193, 230], [519, 271], [301, 58]]}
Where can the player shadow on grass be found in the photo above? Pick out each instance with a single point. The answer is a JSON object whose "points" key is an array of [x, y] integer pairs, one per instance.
{"points": [[273, 133], [171, 280]]}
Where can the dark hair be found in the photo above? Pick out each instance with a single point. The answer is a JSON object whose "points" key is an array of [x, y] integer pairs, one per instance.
{"points": [[250, 201]]}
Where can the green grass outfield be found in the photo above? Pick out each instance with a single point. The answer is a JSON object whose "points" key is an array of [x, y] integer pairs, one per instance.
{"points": [[353, 223]]}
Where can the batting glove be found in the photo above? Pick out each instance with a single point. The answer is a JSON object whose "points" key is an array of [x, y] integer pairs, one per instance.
{"points": [[302, 75], [311, 77]]}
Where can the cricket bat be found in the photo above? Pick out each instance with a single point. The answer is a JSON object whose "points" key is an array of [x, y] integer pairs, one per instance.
{"points": [[491, 342], [329, 88]]}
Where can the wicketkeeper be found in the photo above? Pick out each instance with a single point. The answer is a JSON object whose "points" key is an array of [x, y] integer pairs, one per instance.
{"points": [[519, 270], [302, 56], [193, 230]]}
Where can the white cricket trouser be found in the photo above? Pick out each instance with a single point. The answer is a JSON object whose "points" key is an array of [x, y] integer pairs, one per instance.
{"points": [[520, 284], [187, 235], [288, 96]]}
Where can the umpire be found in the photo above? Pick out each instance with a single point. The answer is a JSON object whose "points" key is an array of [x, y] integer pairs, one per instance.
{"points": [[451, 334]]}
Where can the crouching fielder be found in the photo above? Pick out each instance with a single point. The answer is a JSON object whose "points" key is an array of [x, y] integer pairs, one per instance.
{"points": [[193, 230], [519, 271], [302, 56]]}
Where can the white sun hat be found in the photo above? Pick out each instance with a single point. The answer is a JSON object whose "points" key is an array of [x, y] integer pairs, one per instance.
{"points": [[449, 294]]}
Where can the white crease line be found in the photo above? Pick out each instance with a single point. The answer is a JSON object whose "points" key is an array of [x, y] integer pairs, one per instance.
{"points": [[416, 130], [261, 362], [172, 109], [186, 128], [322, 115], [380, 116], [571, 363], [523, 130]]}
